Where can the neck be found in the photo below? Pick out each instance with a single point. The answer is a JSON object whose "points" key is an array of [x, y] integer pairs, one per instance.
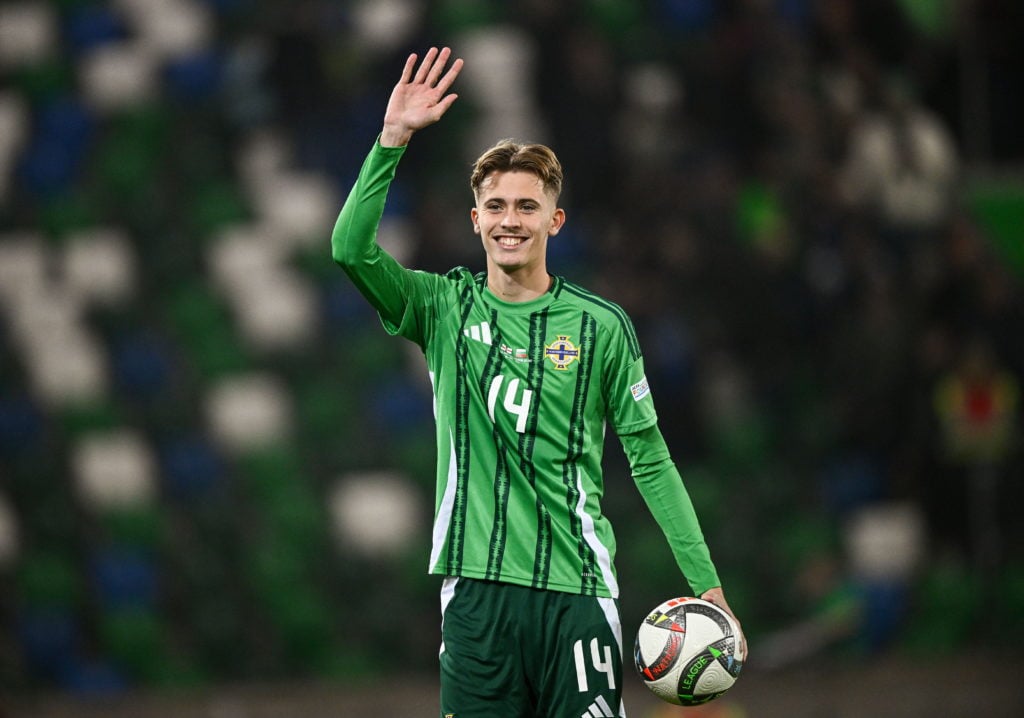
{"points": [[518, 286]]}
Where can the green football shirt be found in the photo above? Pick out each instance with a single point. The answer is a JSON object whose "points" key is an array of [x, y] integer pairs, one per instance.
{"points": [[522, 396]]}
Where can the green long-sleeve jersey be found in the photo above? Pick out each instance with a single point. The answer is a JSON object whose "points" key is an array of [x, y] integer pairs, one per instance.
{"points": [[522, 396]]}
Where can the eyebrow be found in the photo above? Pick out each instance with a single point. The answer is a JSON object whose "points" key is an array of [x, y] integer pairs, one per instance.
{"points": [[515, 200]]}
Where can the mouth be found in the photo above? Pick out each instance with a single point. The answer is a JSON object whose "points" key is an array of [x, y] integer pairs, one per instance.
{"points": [[510, 242]]}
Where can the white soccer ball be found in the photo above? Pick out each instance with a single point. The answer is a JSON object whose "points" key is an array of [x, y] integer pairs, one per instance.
{"points": [[688, 651]]}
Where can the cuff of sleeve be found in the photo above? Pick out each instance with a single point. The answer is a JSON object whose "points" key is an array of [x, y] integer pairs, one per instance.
{"points": [[378, 147]]}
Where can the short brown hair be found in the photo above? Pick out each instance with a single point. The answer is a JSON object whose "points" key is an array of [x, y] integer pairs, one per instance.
{"points": [[512, 156]]}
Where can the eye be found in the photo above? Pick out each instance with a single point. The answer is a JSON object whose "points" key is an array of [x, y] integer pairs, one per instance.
{"points": [[528, 207], [493, 206]]}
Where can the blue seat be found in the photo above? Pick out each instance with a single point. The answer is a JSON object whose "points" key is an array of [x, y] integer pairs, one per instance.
{"points": [[124, 577], [194, 78], [343, 307], [190, 465], [66, 119], [60, 144], [143, 365], [851, 481], [47, 167], [92, 678], [90, 26], [49, 638], [21, 424], [401, 405]]}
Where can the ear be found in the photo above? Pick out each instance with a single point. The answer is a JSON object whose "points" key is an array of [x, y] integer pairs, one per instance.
{"points": [[557, 220], [474, 215]]}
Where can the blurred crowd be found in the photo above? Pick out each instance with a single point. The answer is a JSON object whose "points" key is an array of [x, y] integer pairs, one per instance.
{"points": [[211, 457]]}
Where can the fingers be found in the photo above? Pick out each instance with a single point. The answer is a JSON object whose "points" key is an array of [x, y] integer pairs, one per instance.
{"points": [[429, 71], [410, 63], [438, 65], [449, 77], [426, 66], [445, 103]]}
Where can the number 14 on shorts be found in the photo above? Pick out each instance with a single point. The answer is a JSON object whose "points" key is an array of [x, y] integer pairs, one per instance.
{"points": [[600, 659]]}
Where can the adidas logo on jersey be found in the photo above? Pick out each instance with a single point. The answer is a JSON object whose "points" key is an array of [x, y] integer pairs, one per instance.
{"points": [[598, 709], [479, 332]]}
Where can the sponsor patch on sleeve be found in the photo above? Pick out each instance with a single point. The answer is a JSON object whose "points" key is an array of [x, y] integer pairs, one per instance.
{"points": [[640, 389]]}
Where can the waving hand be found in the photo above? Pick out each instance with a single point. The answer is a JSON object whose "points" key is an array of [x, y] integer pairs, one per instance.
{"points": [[419, 98]]}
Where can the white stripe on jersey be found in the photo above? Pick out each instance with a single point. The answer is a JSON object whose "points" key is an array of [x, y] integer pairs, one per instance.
{"points": [[444, 512], [604, 559]]}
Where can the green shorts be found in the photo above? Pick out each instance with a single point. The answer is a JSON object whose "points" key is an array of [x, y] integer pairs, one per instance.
{"points": [[519, 652]]}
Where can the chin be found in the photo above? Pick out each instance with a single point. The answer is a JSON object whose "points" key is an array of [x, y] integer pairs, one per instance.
{"points": [[508, 267]]}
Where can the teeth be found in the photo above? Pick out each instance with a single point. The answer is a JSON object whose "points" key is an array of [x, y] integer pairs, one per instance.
{"points": [[510, 241]]}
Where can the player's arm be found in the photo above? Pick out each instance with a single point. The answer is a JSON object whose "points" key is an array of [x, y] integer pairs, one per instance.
{"points": [[375, 273], [419, 99], [662, 488]]}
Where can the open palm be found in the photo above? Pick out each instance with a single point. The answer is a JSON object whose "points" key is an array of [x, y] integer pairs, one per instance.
{"points": [[419, 99]]}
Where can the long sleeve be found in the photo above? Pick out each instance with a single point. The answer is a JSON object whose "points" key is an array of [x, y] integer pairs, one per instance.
{"points": [[377, 275], [662, 488]]}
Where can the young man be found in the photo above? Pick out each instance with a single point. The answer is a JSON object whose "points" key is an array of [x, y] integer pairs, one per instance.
{"points": [[527, 368]]}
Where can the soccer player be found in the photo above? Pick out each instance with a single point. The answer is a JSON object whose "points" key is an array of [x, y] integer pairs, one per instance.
{"points": [[527, 369]]}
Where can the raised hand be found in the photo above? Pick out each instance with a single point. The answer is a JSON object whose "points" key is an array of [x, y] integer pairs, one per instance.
{"points": [[419, 99]]}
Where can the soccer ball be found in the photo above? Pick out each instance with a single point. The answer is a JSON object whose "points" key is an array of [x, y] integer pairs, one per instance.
{"points": [[688, 651]]}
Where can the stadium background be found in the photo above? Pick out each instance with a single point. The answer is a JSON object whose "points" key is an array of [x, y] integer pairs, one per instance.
{"points": [[216, 469]]}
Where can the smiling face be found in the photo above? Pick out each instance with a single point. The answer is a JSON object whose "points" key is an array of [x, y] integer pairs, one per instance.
{"points": [[514, 216]]}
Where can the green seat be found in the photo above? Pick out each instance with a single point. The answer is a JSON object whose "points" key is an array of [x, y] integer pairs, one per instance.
{"points": [[135, 640], [130, 156], [49, 522], [64, 214], [619, 21], [1007, 628], [40, 81], [49, 579], [944, 612], [89, 417], [415, 454], [297, 517], [761, 219], [268, 472], [223, 640], [741, 443], [371, 354], [999, 208], [37, 485], [325, 407], [141, 526], [214, 206], [458, 15], [206, 329], [272, 565], [304, 624]]}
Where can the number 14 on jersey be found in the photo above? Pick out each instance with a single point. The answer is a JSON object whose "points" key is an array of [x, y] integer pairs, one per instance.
{"points": [[514, 402]]}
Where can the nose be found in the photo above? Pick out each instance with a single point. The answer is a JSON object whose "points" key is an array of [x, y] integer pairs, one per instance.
{"points": [[510, 218]]}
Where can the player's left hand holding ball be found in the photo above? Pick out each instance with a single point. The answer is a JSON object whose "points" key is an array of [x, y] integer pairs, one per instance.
{"points": [[717, 597]]}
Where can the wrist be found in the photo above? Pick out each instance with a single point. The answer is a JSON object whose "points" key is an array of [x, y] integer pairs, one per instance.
{"points": [[395, 136]]}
